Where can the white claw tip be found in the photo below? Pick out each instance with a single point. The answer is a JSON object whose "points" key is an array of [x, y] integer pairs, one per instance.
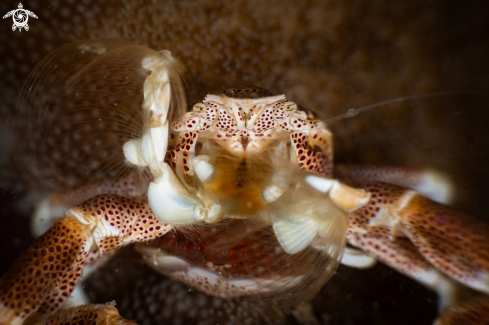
{"points": [[348, 198], [321, 184], [169, 199], [357, 259], [345, 197], [203, 169]]}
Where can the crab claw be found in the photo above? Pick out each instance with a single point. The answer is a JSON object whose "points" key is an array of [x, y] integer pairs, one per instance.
{"points": [[163, 89], [172, 203], [345, 197], [358, 259]]}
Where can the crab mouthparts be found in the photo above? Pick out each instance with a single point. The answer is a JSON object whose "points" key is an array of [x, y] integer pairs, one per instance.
{"points": [[244, 140], [242, 143]]}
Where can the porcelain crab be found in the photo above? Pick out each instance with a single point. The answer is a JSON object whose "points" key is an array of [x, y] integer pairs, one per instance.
{"points": [[237, 197]]}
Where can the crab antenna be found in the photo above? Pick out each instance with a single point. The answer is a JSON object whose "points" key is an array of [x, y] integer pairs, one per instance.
{"points": [[354, 111]]}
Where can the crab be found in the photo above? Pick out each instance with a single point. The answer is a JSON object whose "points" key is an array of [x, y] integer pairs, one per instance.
{"points": [[237, 197]]}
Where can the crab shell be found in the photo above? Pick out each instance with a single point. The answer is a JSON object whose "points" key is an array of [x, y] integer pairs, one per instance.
{"points": [[237, 165]]}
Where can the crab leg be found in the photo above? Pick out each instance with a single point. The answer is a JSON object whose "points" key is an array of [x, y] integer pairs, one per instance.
{"points": [[404, 230], [455, 243], [52, 208], [401, 255], [318, 161], [88, 314], [430, 183], [44, 277], [472, 312]]}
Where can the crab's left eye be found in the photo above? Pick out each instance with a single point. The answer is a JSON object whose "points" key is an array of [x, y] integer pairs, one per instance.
{"points": [[290, 107], [199, 108]]}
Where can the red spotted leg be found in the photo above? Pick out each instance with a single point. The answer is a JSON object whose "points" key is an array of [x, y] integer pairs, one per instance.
{"points": [[455, 243], [105, 314], [313, 151], [428, 182], [376, 233], [52, 208], [416, 235], [44, 276]]}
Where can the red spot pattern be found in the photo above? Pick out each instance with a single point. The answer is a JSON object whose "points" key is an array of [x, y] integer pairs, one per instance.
{"points": [[210, 112], [197, 122], [44, 277], [377, 240], [180, 156], [314, 151], [178, 126], [437, 236], [301, 124], [226, 122], [455, 243], [285, 125], [308, 159], [278, 111], [265, 121], [47, 272], [134, 220]]}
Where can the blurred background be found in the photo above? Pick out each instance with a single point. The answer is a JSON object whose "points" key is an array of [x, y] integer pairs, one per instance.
{"points": [[328, 56]]}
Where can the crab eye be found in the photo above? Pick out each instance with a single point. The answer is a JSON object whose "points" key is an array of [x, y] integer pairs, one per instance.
{"points": [[290, 107], [199, 108]]}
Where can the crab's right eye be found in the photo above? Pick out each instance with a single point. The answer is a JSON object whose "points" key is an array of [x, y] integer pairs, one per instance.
{"points": [[199, 108], [290, 107]]}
